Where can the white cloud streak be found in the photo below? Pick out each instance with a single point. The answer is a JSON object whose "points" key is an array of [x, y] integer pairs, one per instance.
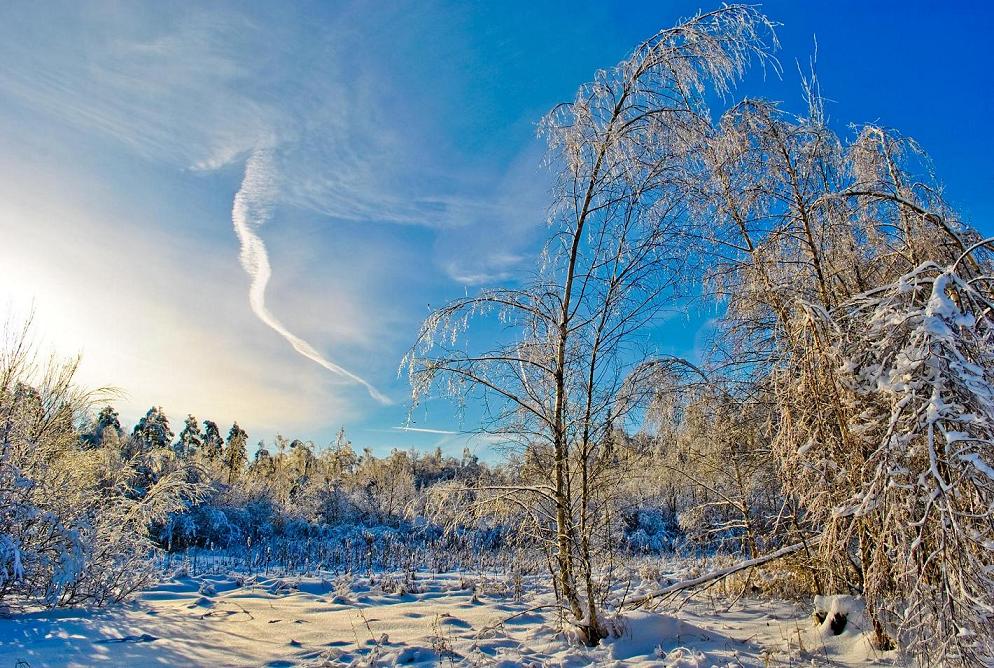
{"points": [[253, 206], [426, 431], [332, 143]]}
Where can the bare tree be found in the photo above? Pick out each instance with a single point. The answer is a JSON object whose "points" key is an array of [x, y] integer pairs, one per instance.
{"points": [[567, 368]]}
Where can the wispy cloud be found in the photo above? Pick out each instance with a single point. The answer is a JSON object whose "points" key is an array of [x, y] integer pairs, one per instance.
{"points": [[253, 206], [344, 151], [421, 430], [165, 342], [339, 146]]}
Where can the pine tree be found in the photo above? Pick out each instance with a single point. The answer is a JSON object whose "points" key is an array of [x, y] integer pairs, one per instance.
{"points": [[190, 439], [236, 452], [107, 418], [152, 431], [213, 443]]}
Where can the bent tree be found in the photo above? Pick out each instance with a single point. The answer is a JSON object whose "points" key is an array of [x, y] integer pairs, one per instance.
{"points": [[566, 370], [863, 302]]}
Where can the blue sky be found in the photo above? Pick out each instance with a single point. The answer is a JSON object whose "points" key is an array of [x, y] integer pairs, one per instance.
{"points": [[392, 164]]}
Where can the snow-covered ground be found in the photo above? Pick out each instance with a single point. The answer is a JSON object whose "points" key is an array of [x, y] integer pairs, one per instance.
{"points": [[445, 619]]}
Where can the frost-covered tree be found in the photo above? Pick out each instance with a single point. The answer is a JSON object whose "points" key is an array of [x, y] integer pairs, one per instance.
{"points": [[909, 476], [72, 532], [106, 428], [301, 459], [190, 439], [388, 484], [263, 463], [235, 452], [340, 457], [564, 375], [213, 443], [152, 431], [712, 448], [816, 245]]}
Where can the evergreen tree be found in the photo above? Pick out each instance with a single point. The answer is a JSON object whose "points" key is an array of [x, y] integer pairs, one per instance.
{"points": [[106, 419], [213, 443], [236, 452], [152, 431], [190, 439], [262, 462], [261, 452]]}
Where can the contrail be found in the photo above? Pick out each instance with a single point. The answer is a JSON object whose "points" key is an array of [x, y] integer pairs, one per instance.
{"points": [[426, 431], [252, 207]]}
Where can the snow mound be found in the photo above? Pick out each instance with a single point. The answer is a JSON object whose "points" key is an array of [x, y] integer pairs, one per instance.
{"points": [[842, 633], [843, 616], [650, 635]]}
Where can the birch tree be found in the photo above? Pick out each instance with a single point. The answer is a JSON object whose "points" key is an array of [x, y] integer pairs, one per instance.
{"points": [[566, 369]]}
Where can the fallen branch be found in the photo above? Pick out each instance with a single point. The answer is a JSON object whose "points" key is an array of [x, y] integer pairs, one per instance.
{"points": [[714, 576]]}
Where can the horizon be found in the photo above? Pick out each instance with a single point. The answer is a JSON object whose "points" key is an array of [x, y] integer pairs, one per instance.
{"points": [[243, 214]]}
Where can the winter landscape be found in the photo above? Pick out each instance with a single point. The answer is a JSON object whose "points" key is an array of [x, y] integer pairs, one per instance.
{"points": [[672, 360]]}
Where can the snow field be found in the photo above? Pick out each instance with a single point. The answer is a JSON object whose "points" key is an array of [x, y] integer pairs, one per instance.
{"points": [[430, 620]]}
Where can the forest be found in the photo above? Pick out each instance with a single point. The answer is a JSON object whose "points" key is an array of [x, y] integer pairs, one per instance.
{"points": [[830, 450]]}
